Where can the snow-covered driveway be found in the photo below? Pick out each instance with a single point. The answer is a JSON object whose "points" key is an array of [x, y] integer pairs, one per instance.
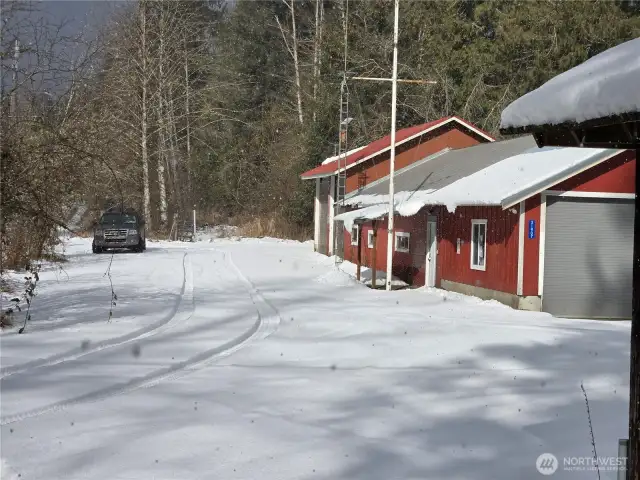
{"points": [[258, 360]]}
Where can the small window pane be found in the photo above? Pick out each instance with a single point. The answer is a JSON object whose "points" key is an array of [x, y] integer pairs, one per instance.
{"points": [[478, 243], [475, 244], [481, 232], [402, 242]]}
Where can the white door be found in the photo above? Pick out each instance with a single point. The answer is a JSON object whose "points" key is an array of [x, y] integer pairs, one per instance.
{"points": [[432, 253]]}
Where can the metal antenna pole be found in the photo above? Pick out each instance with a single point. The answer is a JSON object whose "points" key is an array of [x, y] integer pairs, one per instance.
{"points": [[394, 92]]}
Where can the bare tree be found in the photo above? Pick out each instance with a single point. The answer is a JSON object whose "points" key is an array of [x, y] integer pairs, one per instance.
{"points": [[317, 46], [144, 76], [42, 145], [293, 50]]}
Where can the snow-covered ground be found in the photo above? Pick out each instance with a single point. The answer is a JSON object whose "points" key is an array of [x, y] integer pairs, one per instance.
{"points": [[258, 359]]}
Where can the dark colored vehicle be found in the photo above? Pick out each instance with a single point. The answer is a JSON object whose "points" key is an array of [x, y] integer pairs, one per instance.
{"points": [[119, 229]]}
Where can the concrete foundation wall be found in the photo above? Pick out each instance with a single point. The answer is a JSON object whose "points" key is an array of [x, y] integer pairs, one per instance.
{"points": [[509, 299]]}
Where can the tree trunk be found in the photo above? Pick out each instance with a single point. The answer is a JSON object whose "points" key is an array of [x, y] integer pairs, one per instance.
{"points": [[187, 114], [161, 130], [144, 120], [295, 61], [316, 54]]}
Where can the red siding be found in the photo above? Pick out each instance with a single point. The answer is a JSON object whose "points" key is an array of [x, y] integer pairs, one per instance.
{"points": [[403, 263], [530, 268], [502, 248], [616, 175]]}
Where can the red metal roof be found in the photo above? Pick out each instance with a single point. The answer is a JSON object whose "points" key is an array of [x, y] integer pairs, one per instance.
{"points": [[385, 142]]}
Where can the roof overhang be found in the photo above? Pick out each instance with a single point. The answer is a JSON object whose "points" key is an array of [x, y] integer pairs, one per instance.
{"points": [[408, 139], [618, 132], [518, 197]]}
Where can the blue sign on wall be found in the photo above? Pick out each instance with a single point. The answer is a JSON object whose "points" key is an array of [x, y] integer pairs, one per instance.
{"points": [[532, 229]]}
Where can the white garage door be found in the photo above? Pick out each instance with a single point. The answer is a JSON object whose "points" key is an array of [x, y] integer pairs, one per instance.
{"points": [[588, 257]]}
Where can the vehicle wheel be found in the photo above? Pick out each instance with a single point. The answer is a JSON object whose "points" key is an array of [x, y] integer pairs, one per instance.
{"points": [[96, 249], [139, 248]]}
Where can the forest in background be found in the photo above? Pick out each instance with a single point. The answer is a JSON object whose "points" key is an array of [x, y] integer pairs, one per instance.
{"points": [[222, 105]]}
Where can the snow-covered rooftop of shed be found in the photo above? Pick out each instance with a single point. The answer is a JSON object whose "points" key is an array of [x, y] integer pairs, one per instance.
{"points": [[604, 85], [501, 184]]}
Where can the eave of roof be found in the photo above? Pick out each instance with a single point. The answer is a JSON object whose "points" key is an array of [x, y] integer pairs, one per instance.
{"points": [[532, 190]]}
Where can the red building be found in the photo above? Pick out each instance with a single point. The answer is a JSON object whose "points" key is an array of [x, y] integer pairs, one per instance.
{"points": [[367, 164], [544, 229]]}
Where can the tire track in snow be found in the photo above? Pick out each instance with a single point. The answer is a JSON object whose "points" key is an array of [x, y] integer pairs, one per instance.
{"points": [[267, 321], [167, 322], [60, 324]]}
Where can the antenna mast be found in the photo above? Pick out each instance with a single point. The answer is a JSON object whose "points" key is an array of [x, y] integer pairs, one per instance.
{"points": [[341, 185]]}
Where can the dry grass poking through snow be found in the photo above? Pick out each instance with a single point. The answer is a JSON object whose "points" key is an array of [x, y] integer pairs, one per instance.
{"points": [[272, 226]]}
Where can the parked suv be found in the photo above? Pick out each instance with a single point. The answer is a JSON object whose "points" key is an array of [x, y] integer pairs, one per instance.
{"points": [[119, 228]]}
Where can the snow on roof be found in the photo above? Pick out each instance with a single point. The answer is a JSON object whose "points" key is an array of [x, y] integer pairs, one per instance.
{"points": [[440, 169], [335, 157], [501, 184], [604, 85], [521, 174]]}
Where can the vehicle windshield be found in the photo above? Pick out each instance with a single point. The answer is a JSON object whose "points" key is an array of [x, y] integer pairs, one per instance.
{"points": [[117, 219]]}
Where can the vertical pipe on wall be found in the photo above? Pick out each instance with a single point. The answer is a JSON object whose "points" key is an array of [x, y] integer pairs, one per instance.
{"points": [[521, 237], [332, 192], [359, 252], [374, 268], [316, 217], [633, 464]]}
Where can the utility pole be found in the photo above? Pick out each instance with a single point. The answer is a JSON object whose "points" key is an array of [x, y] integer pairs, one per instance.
{"points": [[394, 90], [392, 160]]}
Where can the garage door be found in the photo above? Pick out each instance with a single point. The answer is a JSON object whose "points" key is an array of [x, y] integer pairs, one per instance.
{"points": [[588, 257]]}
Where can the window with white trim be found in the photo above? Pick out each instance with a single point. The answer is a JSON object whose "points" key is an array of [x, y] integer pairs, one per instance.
{"points": [[355, 233], [370, 239], [402, 242], [478, 244]]}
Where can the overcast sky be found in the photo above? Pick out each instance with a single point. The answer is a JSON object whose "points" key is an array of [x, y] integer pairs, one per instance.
{"points": [[77, 12]]}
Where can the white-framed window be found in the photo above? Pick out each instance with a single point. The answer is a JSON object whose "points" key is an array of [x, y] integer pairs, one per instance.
{"points": [[478, 244], [402, 242], [355, 233], [370, 239]]}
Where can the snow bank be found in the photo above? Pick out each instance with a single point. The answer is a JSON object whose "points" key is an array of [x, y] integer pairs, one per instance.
{"points": [[366, 275], [337, 278], [604, 85], [208, 234], [344, 275]]}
